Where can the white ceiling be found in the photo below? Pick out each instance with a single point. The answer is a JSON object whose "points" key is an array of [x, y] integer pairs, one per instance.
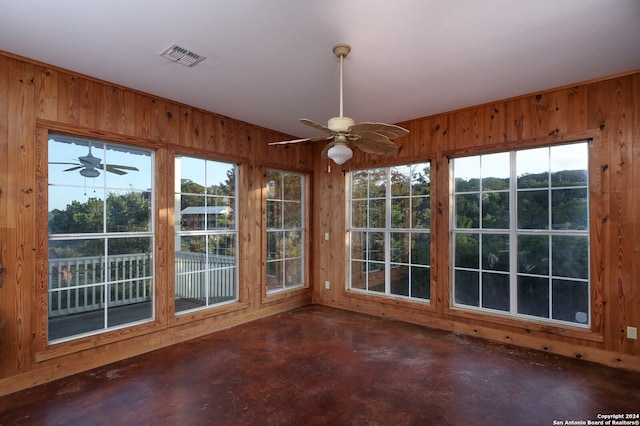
{"points": [[270, 62]]}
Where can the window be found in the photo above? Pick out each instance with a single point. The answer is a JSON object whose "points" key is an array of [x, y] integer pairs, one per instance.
{"points": [[285, 230], [206, 235], [390, 231], [521, 233], [100, 259]]}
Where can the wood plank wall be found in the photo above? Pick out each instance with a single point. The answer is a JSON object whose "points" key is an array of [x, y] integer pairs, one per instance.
{"points": [[607, 110], [35, 98]]}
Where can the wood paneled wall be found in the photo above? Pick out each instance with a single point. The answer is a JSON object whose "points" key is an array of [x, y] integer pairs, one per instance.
{"points": [[607, 110], [35, 98]]}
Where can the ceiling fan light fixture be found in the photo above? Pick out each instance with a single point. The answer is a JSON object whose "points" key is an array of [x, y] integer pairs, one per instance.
{"points": [[340, 153], [90, 173]]}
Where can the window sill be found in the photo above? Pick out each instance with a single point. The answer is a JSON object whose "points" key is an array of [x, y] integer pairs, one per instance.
{"points": [[527, 326], [422, 304]]}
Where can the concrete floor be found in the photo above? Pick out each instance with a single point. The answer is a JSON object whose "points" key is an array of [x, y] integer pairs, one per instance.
{"points": [[318, 365]]}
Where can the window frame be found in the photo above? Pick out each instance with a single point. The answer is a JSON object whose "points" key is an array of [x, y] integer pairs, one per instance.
{"points": [[596, 210], [388, 263], [46, 349], [293, 291], [206, 233]]}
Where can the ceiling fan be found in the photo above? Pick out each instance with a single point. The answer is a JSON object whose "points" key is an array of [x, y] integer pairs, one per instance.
{"points": [[89, 166], [374, 138]]}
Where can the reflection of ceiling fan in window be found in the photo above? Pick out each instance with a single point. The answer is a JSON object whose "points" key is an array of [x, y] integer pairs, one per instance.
{"points": [[89, 166]]}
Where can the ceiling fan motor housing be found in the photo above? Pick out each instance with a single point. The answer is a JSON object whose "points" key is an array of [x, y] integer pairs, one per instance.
{"points": [[340, 124]]}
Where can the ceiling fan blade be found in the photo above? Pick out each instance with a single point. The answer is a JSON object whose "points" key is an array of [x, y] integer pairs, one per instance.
{"points": [[316, 126], [115, 168], [326, 149], [119, 166], [58, 162], [317, 138], [390, 131], [376, 146], [73, 168], [289, 142]]}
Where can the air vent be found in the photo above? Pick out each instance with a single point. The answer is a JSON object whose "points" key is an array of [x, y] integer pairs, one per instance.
{"points": [[182, 56]]}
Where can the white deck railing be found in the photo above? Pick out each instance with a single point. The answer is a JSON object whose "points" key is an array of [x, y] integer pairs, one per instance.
{"points": [[78, 284], [199, 277]]}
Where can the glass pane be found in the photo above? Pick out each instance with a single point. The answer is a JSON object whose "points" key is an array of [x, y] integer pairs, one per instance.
{"points": [[400, 213], [420, 179], [359, 213], [467, 211], [274, 214], [192, 173], [377, 212], [358, 245], [76, 162], [221, 178], [275, 246], [400, 247], [193, 244], [533, 209], [127, 168], [533, 296], [222, 284], [222, 248], [192, 212], [495, 291], [466, 171], [400, 181], [275, 278], [375, 246], [532, 168], [467, 291], [88, 300], [495, 171], [421, 212], [128, 211], [75, 263], [292, 214], [358, 275], [495, 210], [400, 280], [377, 183], [569, 165], [467, 250], [121, 308], [495, 252], [570, 301], [292, 186], [570, 209], [570, 256], [292, 244], [420, 282], [375, 280], [533, 254], [129, 258], [74, 211], [220, 213], [359, 184], [274, 185], [420, 249], [293, 273]]}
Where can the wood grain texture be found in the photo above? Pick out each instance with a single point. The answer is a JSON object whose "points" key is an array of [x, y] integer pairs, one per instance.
{"points": [[36, 98], [605, 111]]}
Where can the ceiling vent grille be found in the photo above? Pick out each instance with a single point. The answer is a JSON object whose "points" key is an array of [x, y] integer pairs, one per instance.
{"points": [[182, 56]]}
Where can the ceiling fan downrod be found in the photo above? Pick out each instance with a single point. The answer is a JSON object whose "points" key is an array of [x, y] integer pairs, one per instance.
{"points": [[341, 51]]}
